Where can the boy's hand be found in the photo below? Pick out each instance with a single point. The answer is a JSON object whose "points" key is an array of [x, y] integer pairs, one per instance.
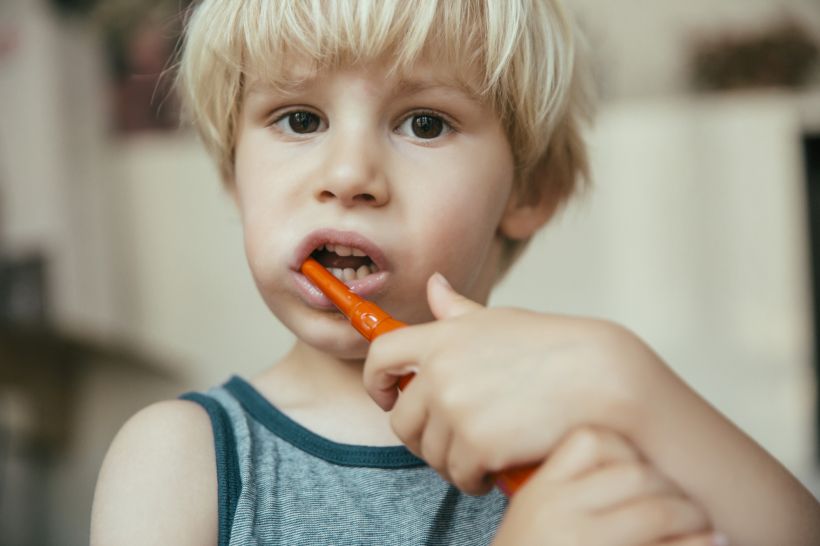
{"points": [[594, 489], [496, 388]]}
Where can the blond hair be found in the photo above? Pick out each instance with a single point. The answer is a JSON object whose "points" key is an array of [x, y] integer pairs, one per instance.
{"points": [[526, 52]]}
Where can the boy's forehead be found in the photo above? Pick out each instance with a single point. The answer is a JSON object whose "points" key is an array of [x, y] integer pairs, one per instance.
{"points": [[419, 77]]}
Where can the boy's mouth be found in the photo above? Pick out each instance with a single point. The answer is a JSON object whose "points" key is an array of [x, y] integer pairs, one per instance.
{"points": [[347, 263], [350, 256]]}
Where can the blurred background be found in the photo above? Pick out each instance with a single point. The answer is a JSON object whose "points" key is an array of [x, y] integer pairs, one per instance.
{"points": [[122, 278]]}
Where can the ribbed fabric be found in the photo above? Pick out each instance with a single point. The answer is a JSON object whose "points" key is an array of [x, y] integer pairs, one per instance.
{"points": [[280, 483]]}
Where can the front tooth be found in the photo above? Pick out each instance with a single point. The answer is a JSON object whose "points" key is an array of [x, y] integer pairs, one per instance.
{"points": [[362, 272], [329, 247], [338, 273], [342, 250], [350, 274], [357, 252]]}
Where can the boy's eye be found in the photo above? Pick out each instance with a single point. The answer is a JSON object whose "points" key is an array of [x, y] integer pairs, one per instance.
{"points": [[299, 122], [425, 125]]}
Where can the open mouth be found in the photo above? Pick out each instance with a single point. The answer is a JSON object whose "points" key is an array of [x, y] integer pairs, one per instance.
{"points": [[346, 263]]}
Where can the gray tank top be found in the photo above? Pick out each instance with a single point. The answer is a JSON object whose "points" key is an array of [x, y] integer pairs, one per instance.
{"points": [[280, 483]]}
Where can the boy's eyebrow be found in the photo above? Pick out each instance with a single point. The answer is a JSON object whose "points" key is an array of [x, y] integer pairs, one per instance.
{"points": [[291, 87], [404, 87], [411, 87]]}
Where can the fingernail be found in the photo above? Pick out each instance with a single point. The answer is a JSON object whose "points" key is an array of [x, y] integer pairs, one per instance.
{"points": [[439, 278], [719, 539]]}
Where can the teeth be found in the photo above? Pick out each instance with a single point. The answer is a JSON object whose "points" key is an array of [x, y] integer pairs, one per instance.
{"points": [[343, 250], [350, 274], [362, 272], [338, 273]]}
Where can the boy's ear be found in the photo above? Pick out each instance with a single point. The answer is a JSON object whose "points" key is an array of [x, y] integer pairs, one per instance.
{"points": [[524, 216]]}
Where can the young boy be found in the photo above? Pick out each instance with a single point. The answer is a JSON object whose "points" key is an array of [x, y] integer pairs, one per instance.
{"points": [[414, 147]]}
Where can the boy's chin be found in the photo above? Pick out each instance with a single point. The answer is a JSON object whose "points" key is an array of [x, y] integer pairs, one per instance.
{"points": [[347, 346]]}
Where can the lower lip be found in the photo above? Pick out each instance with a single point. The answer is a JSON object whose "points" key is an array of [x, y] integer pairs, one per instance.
{"points": [[367, 287]]}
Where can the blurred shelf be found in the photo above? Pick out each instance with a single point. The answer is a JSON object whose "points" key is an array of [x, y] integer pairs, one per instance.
{"points": [[42, 367]]}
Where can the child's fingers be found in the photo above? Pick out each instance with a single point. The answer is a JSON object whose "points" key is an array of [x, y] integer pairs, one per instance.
{"points": [[616, 484], [390, 357], [467, 470], [652, 519], [435, 444], [700, 539], [409, 420], [584, 449]]}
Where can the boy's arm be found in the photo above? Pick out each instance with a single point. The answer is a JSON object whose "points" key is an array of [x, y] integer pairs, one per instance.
{"points": [[157, 484], [502, 386], [746, 491], [595, 489]]}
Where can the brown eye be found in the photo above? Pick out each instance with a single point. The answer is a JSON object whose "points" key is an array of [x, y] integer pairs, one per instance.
{"points": [[427, 126], [303, 122]]}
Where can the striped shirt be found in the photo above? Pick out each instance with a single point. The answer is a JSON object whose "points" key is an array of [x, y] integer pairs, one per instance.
{"points": [[280, 483]]}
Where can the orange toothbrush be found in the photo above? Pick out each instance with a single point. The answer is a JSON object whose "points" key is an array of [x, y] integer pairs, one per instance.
{"points": [[371, 321]]}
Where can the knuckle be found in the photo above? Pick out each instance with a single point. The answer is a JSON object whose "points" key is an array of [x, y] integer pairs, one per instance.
{"points": [[450, 400], [587, 440], [438, 371]]}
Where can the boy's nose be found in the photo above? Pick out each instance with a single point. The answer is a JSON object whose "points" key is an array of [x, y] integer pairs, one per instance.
{"points": [[353, 174]]}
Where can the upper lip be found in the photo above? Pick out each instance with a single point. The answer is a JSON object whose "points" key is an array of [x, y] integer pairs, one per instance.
{"points": [[348, 238]]}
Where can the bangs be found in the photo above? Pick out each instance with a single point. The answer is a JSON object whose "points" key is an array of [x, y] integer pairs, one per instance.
{"points": [[264, 37]]}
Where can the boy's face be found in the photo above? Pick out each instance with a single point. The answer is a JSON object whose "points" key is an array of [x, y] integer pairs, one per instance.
{"points": [[412, 170]]}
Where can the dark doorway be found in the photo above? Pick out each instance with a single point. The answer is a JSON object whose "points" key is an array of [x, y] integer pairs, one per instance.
{"points": [[811, 148]]}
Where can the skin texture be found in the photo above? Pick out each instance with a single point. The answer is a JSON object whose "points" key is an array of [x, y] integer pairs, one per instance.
{"points": [[595, 489], [494, 387]]}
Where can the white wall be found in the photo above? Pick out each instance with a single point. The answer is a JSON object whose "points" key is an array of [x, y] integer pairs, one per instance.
{"points": [[641, 47], [54, 188]]}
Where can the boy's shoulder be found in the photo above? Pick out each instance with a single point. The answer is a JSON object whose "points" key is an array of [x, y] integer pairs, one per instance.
{"points": [[160, 468]]}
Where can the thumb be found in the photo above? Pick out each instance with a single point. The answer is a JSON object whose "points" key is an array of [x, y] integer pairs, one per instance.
{"points": [[444, 301]]}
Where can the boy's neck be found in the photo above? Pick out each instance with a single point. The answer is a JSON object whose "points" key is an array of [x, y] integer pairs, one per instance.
{"points": [[311, 376], [326, 395]]}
